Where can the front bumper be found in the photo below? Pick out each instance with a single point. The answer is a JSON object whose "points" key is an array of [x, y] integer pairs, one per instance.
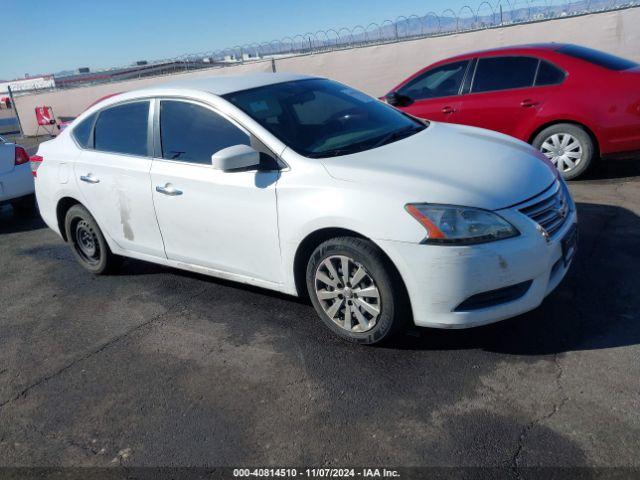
{"points": [[440, 278]]}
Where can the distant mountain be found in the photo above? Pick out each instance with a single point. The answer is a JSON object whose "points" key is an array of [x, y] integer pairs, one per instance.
{"points": [[431, 24]]}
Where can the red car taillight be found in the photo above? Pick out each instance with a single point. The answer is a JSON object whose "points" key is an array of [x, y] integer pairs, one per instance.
{"points": [[36, 161], [21, 156]]}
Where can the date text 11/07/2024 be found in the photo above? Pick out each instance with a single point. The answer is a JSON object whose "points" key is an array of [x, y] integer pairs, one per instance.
{"points": [[315, 473]]}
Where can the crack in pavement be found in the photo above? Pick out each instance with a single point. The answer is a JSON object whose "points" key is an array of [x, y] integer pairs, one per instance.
{"points": [[102, 348], [515, 461]]}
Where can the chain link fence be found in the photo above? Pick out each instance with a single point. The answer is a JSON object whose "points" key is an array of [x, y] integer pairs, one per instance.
{"points": [[485, 15]]}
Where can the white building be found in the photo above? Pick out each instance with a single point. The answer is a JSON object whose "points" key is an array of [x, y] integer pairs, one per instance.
{"points": [[31, 83]]}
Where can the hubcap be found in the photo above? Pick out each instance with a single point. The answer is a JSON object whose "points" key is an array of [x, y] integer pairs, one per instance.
{"points": [[87, 242], [347, 293], [564, 151]]}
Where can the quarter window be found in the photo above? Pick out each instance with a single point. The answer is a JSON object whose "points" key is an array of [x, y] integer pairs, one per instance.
{"points": [[82, 132], [549, 74], [443, 81], [503, 73], [123, 129], [192, 133]]}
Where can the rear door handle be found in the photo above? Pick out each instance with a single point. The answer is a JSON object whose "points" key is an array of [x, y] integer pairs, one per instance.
{"points": [[528, 103], [448, 110], [89, 178], [168, 189]]}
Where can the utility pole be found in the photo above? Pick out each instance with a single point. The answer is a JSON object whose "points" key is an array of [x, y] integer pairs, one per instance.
{"points": [[15, 107]]}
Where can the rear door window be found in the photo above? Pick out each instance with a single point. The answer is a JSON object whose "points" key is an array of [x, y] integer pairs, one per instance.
{"points": [[504, 73], [123, 129], [442, 81], [193, 133]]}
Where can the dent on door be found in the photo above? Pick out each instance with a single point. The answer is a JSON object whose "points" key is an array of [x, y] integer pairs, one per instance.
{"points": [[117, 192], [124, 206]]}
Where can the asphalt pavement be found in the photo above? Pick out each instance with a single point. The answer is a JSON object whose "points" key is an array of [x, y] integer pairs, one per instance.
{"points": [[158, 367]]}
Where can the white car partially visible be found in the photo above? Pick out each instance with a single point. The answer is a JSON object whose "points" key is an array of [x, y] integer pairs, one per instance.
{"points": [[16, 179], [309, 187]]}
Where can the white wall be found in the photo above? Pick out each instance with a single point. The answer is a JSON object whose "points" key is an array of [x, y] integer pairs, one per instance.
{"points": [[376, 69]]}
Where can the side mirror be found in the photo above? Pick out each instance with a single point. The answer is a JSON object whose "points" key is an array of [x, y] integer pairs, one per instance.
{"points": [[235, 158], [396, 99]]}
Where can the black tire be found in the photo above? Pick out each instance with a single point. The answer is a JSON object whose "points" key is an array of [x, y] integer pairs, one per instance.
{"points": [[25, 206], [87, 242], [584, 139], [392, 301]]}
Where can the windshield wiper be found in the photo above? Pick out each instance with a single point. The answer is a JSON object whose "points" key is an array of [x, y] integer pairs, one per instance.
{"points": [[331, 153], [359, 147], [397, 135]]}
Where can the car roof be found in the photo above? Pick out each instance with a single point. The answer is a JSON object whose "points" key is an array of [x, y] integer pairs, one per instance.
{"points": [[533, 47], [224, 84]]}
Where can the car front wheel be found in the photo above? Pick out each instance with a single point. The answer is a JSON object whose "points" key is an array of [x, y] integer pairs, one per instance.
{"points": [[88, 243], [569, 147], [355, 290]]}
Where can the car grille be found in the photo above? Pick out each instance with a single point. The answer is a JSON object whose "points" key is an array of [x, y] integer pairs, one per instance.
{"points": [[551, 210]]}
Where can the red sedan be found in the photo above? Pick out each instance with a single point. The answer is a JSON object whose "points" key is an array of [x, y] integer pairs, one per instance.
{"points": [[571, 102]]}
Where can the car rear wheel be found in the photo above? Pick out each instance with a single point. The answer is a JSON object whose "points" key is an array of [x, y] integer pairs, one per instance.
{"points": [[355, 291], [569, 147], [88, 243]]}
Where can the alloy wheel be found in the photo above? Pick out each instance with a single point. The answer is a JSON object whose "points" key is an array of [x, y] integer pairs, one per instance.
{"points": [[347, 293]]}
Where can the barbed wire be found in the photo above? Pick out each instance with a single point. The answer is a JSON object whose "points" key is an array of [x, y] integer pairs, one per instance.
{"points": [[485, 15]]}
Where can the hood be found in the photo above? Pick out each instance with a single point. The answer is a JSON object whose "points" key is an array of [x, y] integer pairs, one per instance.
{"points": [[451, 164]]}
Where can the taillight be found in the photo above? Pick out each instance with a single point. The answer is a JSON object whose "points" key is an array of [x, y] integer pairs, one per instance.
{"points": [[21, 156], [36, 161]]}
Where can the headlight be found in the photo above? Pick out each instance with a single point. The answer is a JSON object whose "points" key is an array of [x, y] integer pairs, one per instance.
{"points": [[453, 225]]}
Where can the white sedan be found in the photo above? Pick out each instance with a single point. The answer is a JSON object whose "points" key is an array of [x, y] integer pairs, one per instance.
{"points": [[309, 187], [16, 180]]}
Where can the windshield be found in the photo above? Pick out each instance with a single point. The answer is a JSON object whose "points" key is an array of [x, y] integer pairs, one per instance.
{"points": [[320, 118]]}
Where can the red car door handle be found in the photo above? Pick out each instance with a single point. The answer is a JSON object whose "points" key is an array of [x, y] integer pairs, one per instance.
{"points": [[448, 110], [528, 103]]}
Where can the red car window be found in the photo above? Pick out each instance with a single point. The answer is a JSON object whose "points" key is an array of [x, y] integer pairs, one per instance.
{"points": [[504, 73]]}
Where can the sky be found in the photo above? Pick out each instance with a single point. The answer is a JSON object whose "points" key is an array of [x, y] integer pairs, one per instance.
{"points": [[41, 37]]}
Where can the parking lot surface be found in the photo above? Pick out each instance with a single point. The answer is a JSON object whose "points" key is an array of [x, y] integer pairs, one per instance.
{"points": [[158, 367]]}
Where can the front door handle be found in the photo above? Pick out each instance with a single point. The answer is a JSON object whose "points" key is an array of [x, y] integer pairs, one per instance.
{"points": [[168, 189], [89, 178], [448, 110], [528, 103]]}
